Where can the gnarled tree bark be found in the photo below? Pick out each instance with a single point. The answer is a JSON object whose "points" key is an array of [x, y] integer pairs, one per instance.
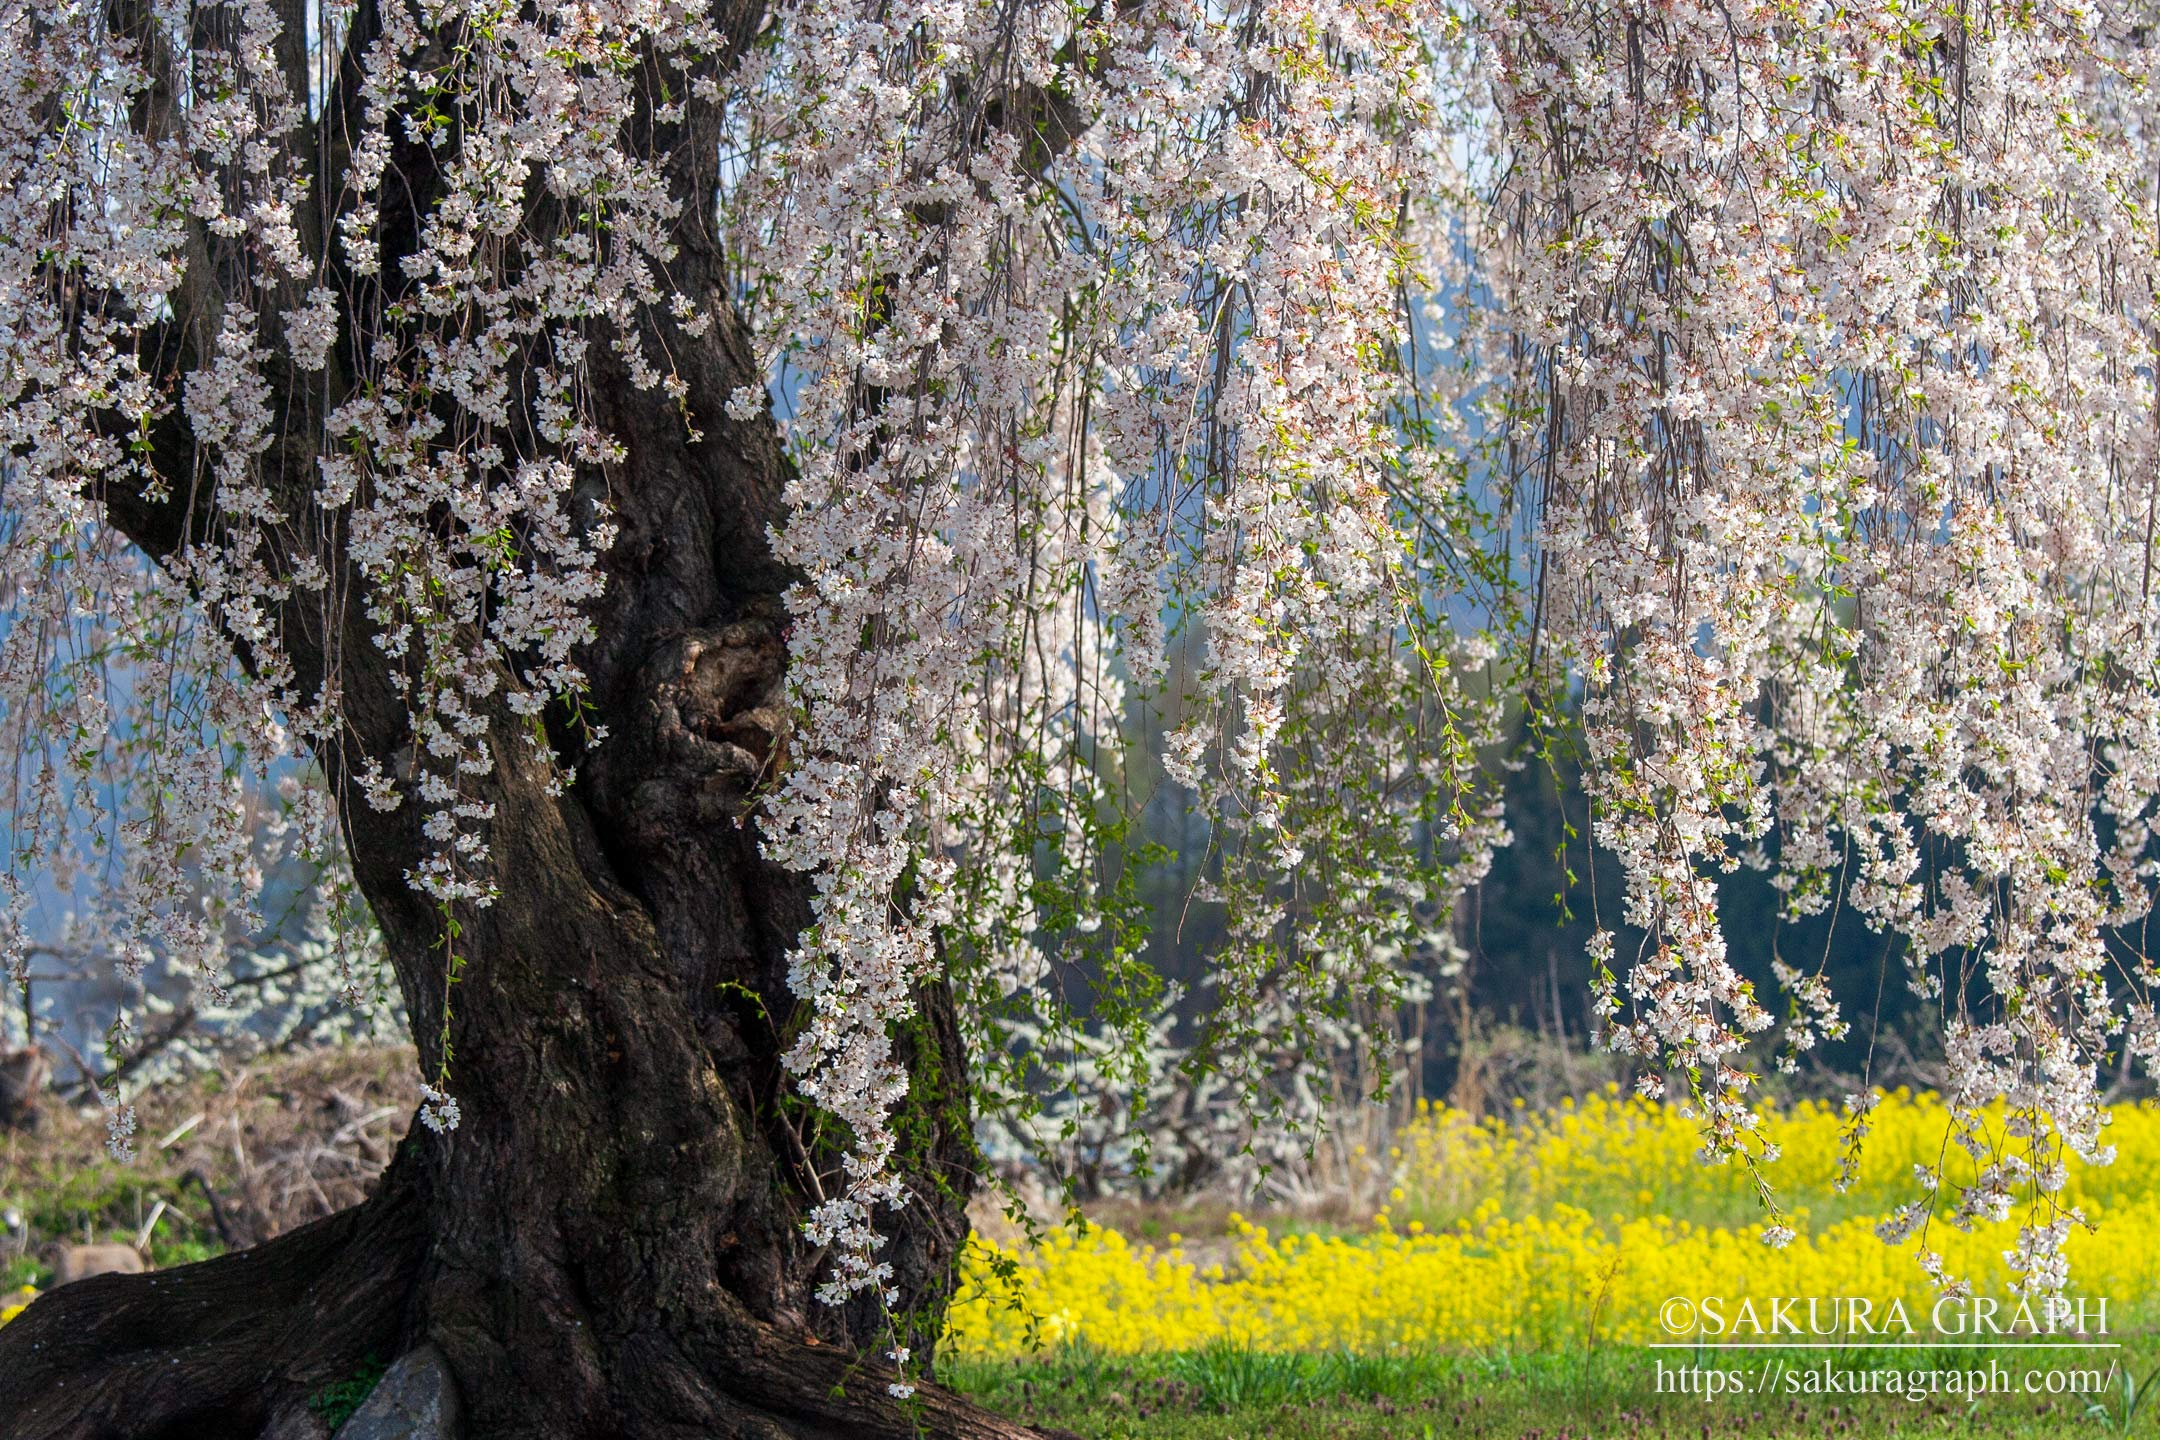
{"points": [[610, 1243]]}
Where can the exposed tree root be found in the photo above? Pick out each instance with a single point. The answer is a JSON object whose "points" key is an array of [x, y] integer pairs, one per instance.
{"points": [[220, 1348], [228, 1348]]}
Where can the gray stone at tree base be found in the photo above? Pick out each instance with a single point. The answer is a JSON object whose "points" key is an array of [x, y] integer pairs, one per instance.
{"points": [[416, 1399]]}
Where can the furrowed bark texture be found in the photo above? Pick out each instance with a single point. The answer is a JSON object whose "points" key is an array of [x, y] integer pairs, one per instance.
{"points": [[610, 1243]]}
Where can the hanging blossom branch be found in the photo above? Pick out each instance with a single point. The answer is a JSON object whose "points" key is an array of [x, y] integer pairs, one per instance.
{"points": [[1077, 318], [1837, 339], [426, 478]]}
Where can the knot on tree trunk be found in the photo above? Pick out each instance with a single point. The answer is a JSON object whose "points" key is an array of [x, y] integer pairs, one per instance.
{"points": [[719, 698]]}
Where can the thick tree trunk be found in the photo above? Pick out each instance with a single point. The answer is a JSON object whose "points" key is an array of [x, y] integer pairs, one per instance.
{"points": [[610, 1242], [607, 1246]]}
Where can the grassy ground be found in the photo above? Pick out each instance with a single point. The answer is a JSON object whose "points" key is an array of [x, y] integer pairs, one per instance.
{"points": [[1242, 1395]]}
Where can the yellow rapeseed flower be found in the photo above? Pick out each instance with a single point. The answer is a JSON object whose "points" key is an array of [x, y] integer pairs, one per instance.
{"points": [[1519, 1228]]}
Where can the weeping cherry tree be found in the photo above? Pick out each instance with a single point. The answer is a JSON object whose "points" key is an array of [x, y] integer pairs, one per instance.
{"points": [[704, 488]]}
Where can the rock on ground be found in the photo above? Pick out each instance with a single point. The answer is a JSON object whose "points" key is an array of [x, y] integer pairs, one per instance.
{"points": [[416, 1399]]}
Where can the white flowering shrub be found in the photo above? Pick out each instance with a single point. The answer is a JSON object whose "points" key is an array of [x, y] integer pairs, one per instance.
{"points": [[1162, 1117], [1780, 377], [312, 983]]}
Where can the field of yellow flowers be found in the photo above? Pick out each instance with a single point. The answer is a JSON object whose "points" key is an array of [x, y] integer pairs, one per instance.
{"points": [[1539, 1231]]}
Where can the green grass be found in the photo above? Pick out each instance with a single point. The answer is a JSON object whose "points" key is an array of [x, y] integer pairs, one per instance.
{"points": [[335, 1403], [1230, 1394], [101, 1201]]}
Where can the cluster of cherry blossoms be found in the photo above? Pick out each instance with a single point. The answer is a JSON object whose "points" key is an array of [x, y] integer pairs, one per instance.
{"points": [[157, 201], [1080, 322], [1837, 347]]}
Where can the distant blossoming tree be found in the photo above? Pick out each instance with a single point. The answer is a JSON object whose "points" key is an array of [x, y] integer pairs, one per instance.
{"points": [[706, 485]]}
